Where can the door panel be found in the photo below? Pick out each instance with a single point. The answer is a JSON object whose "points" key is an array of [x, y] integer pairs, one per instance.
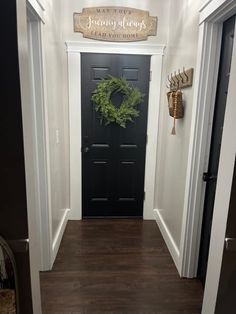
{"points": [[113, 158], [218, 122]]}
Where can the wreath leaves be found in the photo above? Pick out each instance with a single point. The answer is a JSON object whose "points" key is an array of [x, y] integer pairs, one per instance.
{"points": [[108, 112]]}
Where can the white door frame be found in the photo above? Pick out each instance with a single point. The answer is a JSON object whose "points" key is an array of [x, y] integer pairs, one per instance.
{"points": [[74, 50], [38, 8], [29, 152], [40, 135], [212, 16], [223, 194]]}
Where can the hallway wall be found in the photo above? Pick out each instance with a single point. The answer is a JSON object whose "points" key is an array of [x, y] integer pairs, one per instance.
{"points": [[158, 8], [173, 149], [57, 103]]}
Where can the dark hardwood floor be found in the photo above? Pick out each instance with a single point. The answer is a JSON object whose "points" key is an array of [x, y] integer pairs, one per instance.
{"points": [[116, 266]]}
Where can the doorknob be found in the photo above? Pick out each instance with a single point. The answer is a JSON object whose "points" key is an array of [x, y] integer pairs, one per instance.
{"points": [[230, 244]]}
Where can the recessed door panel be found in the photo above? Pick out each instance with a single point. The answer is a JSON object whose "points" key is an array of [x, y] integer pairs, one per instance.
{"points": [[113, 158]]}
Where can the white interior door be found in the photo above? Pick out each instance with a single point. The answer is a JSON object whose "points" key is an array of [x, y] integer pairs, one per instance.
{"points": [[42, 227]]}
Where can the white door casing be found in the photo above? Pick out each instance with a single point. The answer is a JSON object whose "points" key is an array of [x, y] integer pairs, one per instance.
{"points": [[74, 50], [38, 7], [48, 245], [212, 15], [40, 133], [29, 153], [223, 194]]}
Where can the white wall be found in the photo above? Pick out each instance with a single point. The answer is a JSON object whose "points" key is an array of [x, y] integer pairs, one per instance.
{"points": [[158, 8], [57, 104], [173, 149]]}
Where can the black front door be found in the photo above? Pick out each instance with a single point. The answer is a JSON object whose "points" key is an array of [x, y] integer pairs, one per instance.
{"points": [[113, 158], [211, 176]]}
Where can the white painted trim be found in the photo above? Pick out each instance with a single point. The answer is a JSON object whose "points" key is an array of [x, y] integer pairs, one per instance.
{"points": [[37, 9], [202, 115], [42, 171], [74, 74], [223, 194], [211, 19], [74, 78], [48, 233], [59, 234], [29, 153], [173, 248], [110, 47], [152, 133], [41, 4], [217, 11]]}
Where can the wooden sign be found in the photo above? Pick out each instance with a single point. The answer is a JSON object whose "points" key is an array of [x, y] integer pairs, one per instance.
{"points": [[115, 24]]}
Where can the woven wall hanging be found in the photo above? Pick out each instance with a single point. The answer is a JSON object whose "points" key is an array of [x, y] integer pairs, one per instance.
{"points": [[175, 105]]}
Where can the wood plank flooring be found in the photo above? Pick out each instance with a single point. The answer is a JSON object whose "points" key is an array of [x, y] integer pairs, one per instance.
{"points": [[116, 266]]}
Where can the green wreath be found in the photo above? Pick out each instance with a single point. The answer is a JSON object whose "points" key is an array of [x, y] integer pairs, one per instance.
{"points": [[126, 112]]}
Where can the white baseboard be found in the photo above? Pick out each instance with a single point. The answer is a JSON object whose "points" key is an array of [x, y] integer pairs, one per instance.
{"points": [[59, 234], [174, 251], [147, 211]]}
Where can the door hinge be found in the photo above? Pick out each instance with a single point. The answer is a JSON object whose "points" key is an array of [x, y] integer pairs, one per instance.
{"points": [[146, 139], [144, 195], [150, 76]]}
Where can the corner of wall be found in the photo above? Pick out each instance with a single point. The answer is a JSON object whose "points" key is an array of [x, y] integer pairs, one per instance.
{"points": [[59, 234], [174, 251]]}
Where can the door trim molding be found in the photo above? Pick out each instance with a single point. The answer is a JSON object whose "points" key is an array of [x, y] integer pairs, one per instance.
{"points": [[29, 153], [212, 16], [74, 50], [40, 133], [203, 108], [223, 195], [36, 9], [115, 48]]}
